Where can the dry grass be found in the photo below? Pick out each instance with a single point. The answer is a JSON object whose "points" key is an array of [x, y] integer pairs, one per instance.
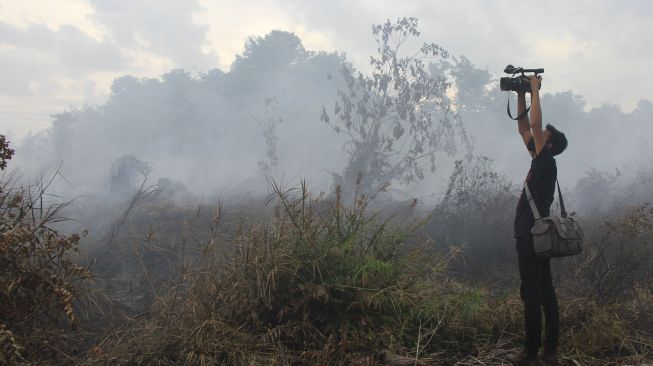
{"points": [[306, 281], [38, 278]]}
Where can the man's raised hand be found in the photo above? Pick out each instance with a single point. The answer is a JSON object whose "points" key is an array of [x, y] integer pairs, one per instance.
{"points": [[536, 82]]}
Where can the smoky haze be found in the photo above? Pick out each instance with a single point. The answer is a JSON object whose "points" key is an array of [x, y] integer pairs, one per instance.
{"points": [[206, 130], [334, 183], [231, 132]]}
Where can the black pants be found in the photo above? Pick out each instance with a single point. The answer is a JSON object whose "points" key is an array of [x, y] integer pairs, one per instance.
{"points": [[537, 293]]}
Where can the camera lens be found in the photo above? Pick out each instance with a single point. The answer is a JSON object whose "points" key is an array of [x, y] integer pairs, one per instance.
{"points": [[505, 83]]}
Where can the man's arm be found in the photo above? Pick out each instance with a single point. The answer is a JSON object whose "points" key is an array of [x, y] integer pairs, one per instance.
{"points": [[536, 114], [522, 124]]}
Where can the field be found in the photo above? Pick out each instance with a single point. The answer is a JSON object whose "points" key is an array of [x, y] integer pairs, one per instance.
{"points": [[299, 279]]}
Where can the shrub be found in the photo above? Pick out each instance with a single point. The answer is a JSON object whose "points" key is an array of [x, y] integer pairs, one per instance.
{"points": [[37, 280], [318, 283]]}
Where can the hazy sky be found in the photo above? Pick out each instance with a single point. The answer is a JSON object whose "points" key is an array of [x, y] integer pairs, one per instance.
{"points": [[60, 54]]}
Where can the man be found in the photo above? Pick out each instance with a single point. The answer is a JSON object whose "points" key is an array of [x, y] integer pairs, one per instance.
{"points": [[536, 289]]}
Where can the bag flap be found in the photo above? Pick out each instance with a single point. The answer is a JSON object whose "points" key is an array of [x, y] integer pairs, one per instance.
{"points": [[541, 226], [566, 227]]}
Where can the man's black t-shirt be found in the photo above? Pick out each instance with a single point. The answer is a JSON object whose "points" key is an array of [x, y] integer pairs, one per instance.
{"points": [[541, 181]]}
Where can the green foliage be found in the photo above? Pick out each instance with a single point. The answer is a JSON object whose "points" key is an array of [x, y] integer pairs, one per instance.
{"points": [[5, 152]]}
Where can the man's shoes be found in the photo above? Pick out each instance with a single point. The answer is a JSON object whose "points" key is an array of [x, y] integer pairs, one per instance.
{"points": [[550, 358], [523, 359]]}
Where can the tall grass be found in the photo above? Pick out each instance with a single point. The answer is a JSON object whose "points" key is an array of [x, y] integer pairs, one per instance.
{"points": [[304, 281], [320, 282]]}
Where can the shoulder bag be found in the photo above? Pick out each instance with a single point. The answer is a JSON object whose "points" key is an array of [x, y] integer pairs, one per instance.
{"points": [[554, 236]]}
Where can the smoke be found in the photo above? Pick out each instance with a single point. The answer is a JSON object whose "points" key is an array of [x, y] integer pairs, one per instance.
{"points": [[205, 130], [234, 131]]}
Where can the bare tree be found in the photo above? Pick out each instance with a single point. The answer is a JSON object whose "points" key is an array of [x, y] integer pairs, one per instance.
{"points": [[399, 116], [269, 121], [124, 171]]}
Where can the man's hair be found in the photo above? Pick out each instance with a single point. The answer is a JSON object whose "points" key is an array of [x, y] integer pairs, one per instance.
{"points": [[557, 139]]}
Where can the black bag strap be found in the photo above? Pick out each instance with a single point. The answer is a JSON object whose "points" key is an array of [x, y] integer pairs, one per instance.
{"points": [[519, 116], [563, 212], [531, 201]]}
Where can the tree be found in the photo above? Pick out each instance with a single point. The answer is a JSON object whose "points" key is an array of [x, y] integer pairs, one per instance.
{"points": [[5, 152], [268, 121], [265, 59], [123, 172], [399, 116], [476, 90]]}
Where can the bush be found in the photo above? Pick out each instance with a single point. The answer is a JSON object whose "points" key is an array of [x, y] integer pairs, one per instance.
{"points": [[476, 214], [318, 283], [37, 280]]}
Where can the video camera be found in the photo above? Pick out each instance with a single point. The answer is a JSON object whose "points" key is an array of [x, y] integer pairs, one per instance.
{"points": [[519, 83]]}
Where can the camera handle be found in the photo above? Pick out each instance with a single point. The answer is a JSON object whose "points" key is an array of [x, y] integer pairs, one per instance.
{"points": [[519, 116]]}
